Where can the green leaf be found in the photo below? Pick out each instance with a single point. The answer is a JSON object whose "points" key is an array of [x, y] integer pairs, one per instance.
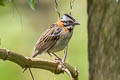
{"points": [[2, 3], [32, 4]]}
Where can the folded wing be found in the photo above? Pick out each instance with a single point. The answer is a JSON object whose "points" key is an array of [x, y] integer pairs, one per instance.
{"points": [[47, 40]]}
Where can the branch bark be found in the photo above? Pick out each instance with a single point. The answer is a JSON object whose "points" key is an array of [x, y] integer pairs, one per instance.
{"points": [[25, 62]]}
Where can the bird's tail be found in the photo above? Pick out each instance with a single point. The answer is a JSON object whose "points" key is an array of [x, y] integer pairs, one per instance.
{"points": [[35, 53]]}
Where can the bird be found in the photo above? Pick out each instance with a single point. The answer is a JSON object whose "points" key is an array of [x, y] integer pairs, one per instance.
{"points": [[56, 37]]}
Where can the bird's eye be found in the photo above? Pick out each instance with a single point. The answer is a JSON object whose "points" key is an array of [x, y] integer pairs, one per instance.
{"points": [[63, 21]]}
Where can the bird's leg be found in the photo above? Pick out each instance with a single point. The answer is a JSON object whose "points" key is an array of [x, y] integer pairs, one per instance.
{"points": [[58, 58], [51, 56], [54, 59], [65, 54]]}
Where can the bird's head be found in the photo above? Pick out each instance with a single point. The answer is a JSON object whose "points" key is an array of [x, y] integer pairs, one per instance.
{"points": [[67, 21]]}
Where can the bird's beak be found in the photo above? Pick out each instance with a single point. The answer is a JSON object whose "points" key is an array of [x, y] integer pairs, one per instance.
{"points": [[76, 23]]}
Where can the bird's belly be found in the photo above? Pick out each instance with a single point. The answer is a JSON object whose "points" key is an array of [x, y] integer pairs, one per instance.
{"points": [[60, 44]]}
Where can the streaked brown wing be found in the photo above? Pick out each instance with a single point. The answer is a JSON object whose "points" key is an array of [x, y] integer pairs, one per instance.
{"points": [[47, 40]]}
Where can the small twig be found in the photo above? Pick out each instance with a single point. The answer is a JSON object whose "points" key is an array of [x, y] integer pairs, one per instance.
{"points": [[31, 73], [56, 7], [65, 54], [71, 5], [68, 72]]}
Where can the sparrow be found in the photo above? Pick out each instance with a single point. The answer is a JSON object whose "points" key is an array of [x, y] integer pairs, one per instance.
{"points": [[56, 37]]}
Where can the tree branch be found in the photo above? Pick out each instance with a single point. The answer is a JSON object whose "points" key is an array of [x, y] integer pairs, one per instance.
{"points": [[25, 62]]}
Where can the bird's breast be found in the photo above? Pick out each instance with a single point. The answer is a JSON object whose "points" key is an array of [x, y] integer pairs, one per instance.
{"points": [[61, 43]]}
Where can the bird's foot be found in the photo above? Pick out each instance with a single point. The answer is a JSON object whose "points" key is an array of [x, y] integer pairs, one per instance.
{"points": [[58, 60]]}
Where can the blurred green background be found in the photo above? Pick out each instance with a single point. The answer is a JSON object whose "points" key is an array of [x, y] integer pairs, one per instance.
{"points": [[20, 28]]}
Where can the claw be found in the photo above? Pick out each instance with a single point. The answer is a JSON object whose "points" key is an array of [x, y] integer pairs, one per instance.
{"points": [[58, 61]]}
